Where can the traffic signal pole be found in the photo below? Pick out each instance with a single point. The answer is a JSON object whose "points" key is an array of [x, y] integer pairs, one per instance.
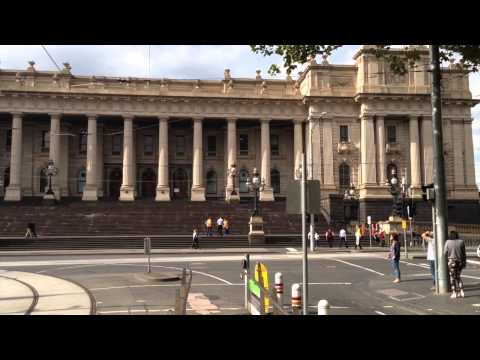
{"points": [[439, 178]]}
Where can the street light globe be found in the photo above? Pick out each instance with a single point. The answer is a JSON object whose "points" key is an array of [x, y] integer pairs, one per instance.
{"points": [[394, 181]]}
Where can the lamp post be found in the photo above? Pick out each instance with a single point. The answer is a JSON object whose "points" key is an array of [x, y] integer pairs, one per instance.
{"points": [[52, 170], [350, 194], [405, 187], [255, 184], [232, 172], [395, 191]]}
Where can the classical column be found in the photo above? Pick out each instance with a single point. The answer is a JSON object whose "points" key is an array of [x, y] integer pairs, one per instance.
{"points": [[100, 180], [416, 175], [381, 150], [267, 193], [469, 154], [328, 174], [297, 145], [55, 152], [163, 190], [198, 191], [90, 192], [459, 146], [427, 144], [127, 190], [14, 190], [231, 159], [367, 150]]}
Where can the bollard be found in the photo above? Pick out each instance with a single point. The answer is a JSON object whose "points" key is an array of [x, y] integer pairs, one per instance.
{"points": [[323, 307], [279, 287], [296, 298]]}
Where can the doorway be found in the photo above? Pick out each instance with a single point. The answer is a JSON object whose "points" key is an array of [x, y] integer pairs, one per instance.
{"points": [[149, 180], [114, 183], [180, 184]]}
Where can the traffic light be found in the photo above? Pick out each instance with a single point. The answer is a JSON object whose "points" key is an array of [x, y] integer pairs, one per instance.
{"points": [[428, 192]]}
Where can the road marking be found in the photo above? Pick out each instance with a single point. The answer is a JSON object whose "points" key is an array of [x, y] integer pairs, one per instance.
{"points": [[473, 262], [425, 274], [201, 304], [140, 301], [158, 285], [388, 306], [476, 305], [64, 268], [291, 250], [331, 307], [360, 267], [330, 283], [470, 277], [380, 313]]}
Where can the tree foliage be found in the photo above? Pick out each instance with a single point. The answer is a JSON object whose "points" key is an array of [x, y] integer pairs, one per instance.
{"points": [[292, 55]]}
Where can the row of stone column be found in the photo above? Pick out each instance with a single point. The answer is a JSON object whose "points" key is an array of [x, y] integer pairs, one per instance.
{"points": [[127, 189]]}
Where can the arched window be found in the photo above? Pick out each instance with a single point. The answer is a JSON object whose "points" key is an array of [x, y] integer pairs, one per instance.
{"points": [[275, 180], [242, 179], [390, 168], [344, 175], [43, 180], [212, 182], [6, 178], [81, 180]]}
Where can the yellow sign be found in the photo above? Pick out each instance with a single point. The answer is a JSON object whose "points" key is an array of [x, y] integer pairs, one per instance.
{"points": [[404, 225], [261, 272]]}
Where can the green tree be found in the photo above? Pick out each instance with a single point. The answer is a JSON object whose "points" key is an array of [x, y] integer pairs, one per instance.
{"points": [[468, 55]]}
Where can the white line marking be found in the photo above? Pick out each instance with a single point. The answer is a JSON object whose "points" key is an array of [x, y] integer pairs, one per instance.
{"points": [[473, 262], [291, 249], [330, 283], [140, 301], [380, 313], [388, 306], [360, 267], [65, 268], [198, 272], [470, 277], [158, 285]]}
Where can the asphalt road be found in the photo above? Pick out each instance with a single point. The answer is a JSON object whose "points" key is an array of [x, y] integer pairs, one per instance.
{"points": [[353, 283]]}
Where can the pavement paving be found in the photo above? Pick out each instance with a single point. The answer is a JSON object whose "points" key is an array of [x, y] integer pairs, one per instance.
{"points": [[36, 294]]}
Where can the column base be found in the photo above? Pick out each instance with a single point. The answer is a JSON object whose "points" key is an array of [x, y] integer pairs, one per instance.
{"points": [[49, 199], [229, 197], [465, 193], [90, 194], [163, 194], [266, 195], [373, 191], [198, 194], [13, 193], [127, 193]]}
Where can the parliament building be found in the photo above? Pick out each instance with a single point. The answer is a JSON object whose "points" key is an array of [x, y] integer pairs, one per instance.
{"points": [[127, 139]]}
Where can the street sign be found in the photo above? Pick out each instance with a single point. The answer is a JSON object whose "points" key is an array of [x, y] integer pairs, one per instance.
{"points": [[404, 224], [294, 200], [262, 273], [369, 220]]}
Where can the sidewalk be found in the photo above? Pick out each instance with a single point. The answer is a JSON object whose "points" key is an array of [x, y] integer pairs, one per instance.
{"points": [[24, 293]]}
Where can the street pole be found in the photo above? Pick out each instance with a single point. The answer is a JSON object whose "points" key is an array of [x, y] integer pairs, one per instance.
{"points": [[435, 252], [439, 179], [304, 239], [405, 239], [312, 216]]}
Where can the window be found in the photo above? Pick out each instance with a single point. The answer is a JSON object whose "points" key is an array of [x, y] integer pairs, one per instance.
{"points": [[343, 133], [180, 145], [82, 142], [9, 139], [274, 145], [275, 180], [242, 179], [391, 134], [81, 180], [344, 175], [243, 144], [212, 182], [148, 144], [43, 180], [117, 144], [45, 140], [211, 145]]}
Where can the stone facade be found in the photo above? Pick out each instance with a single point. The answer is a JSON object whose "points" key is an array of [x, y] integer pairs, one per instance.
{"points": [[167, 139]]}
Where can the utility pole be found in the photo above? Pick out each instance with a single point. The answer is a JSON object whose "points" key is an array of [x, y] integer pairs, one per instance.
{"points": [[304, 238], [439, 178]]}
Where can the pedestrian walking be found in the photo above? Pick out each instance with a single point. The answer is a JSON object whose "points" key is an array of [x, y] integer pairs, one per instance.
{"points": [[220, 226], [209, 226], [358, 235], [195, 240], [30, 233], [317, 239], [428, 237], [457, 260], [343, 238], [394, 256], [329, 237], [382, 237], [226, 226]]}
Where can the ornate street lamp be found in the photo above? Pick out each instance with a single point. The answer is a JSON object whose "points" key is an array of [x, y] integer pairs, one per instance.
{"points": [[52, 170], [232, 172], [396, 191], [255, 184], [351, 194]]}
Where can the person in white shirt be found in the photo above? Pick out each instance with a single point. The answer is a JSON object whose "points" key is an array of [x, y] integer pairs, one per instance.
{"points": [[317, 239], [343, 237], [220, 226], [428, 237]]}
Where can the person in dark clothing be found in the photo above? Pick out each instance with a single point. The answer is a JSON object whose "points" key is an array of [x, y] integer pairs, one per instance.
{"points": [[394, 256], [329, 236], [30, 231], [456, 255], [195, 244]]}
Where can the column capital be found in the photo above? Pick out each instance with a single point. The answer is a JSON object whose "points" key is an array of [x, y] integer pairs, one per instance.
{"points": [[17, 114], [197, 119], [265, 120], [163, 118], [231, 119], [128, 117], [298, 120], [90, 116], [55, 115]]}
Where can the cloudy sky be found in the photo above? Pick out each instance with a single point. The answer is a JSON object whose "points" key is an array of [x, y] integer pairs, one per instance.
{"points": [[186, 61]]}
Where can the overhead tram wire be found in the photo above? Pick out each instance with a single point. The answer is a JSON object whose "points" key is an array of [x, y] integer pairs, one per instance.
{"points": [[51, 57]]}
